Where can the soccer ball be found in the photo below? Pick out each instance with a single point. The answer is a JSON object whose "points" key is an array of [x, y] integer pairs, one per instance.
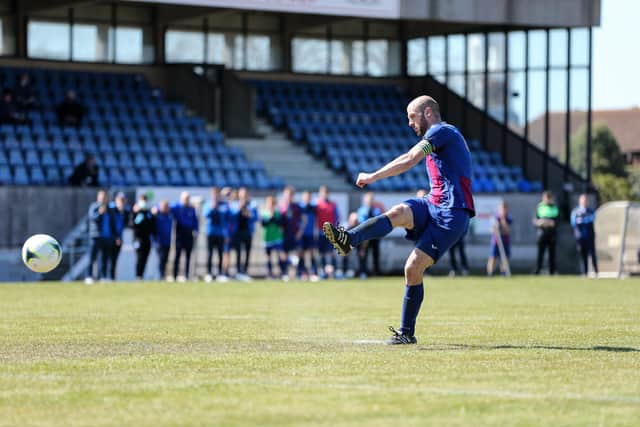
{"points": [[41, 253]]}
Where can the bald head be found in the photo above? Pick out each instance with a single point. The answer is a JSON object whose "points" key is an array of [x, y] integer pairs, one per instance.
{"points": [[421, 103], [423, 112]]}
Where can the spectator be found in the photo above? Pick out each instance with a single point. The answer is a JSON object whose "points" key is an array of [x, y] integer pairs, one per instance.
{"points": [[101, 231], [143, 229], [453, 262], [121, 216], [582, 219], [85, 174], [70, 112], [307, 244], [370, 209], [546, 221], [217, 214], [9, 112], [187, 226], [326, 211], [272, 236], [290, 213], [503, 222], [245, 216], [162, 236], [25, 99]]}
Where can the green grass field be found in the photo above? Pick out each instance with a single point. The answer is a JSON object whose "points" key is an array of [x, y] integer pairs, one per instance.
{"points": [[526, 351]]}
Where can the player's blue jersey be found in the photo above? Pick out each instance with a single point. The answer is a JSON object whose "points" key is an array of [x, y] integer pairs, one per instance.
{"points": [[449, 168]]}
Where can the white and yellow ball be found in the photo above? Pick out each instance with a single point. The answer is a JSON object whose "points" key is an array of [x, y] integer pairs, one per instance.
{"points": [[41, 253]]}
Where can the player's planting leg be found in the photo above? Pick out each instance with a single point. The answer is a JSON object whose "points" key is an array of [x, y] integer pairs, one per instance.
{"points": [[414, 269]]}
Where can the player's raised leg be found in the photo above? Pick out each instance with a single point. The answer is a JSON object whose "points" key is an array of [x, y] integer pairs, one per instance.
{"points": [[414, 269], [374, 228]]}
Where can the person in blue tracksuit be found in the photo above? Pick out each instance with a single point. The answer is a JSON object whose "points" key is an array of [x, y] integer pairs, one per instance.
{"points": [[217, 212], [244, 216], [186, 219], [582, 219], [369, 209], [162, 236], [308, 242], [101, 231], [121, 215]]}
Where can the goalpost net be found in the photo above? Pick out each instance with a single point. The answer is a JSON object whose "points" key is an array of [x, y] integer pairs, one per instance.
{"points": [[617, 227]]}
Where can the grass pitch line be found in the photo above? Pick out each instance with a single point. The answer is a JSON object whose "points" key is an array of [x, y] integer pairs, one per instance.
{"points": [[502, 394]]}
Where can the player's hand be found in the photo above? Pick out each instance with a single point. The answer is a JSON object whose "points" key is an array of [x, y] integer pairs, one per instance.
{"points": [[364, 179]]}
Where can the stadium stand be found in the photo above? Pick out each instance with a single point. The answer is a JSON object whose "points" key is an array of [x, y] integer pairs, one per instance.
{"points": [[367, 124], [137, 136]]}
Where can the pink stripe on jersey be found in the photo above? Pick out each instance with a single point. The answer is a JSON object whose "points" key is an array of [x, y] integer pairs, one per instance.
{"points": [[437, 186], [465, 184]]}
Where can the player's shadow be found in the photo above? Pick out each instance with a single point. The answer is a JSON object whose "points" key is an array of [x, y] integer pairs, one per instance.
{"points": [[463, 347]]}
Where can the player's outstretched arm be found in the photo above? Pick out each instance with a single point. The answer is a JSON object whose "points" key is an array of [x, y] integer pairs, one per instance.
{"points": [[398, 165]]}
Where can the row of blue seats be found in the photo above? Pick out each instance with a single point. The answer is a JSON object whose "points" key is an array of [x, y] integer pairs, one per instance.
{"points": [[96, 95], [307, 88], [78, 77], [120, 146], [139, 159], [116, 109], [116, 176], [129, 134]]}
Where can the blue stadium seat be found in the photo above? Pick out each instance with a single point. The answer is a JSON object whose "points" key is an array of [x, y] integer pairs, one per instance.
{"points": [[53, 176], [37, 176], [161, 177], [5, 175], [20, 176], [175, 177]]}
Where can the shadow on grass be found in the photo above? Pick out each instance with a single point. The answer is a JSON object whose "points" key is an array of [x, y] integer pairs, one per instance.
{"points": [[442, 347]]}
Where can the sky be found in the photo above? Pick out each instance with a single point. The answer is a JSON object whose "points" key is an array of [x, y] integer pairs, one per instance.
{"points": [[616, 56]]}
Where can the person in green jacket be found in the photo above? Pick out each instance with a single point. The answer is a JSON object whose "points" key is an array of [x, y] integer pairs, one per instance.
{"points": [[272, 235], [546, 222]]}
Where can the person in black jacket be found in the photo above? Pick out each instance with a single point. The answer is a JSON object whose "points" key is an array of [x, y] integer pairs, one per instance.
{"points": [[70, 112], [25, 98], [143, 229], [9, 112], [101, 231], [86, 173]]}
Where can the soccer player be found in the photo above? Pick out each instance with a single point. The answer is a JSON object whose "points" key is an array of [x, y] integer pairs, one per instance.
{"points": [[582, 218], [184, 215], [272, 236], [436, 222], [143, 228], [503, 221], [101, 230], [216, 212], [291, 221], [307, 243], [162, 237], [368, 210], [245, 216], [326, 211], [121, 215], [546, 221]]}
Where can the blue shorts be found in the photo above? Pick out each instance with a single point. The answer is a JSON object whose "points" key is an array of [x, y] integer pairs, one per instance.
{"points": [[273, 246], [435, 229], [289, 244], [307, 242], [495, 251], [324, 245]]}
